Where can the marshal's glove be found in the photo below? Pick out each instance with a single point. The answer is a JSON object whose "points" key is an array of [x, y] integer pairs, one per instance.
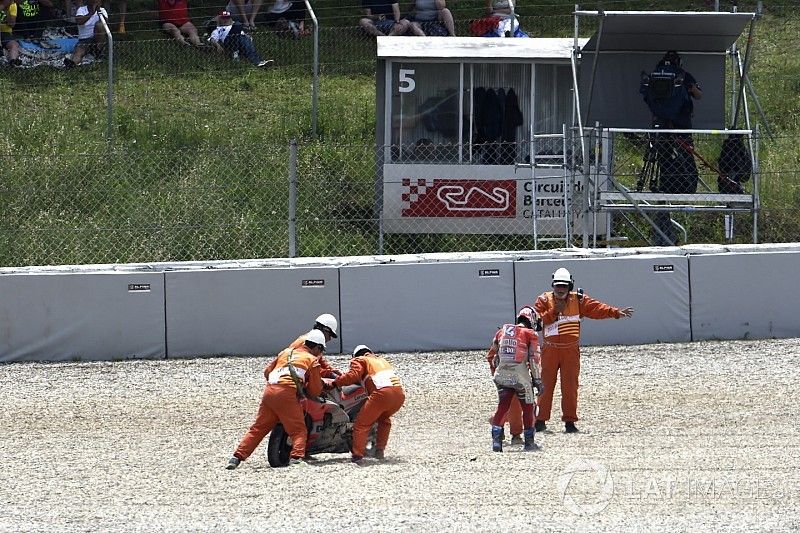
{"points": [[539, 386]]}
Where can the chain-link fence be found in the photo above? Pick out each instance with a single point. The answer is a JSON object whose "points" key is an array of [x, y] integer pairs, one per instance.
{"points": [[326, 199], [200, 164]]}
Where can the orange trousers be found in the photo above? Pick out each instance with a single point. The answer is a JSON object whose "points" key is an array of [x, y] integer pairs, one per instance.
{"points": [[379, 407], [514, 416], [278, 404], [568, 361]]}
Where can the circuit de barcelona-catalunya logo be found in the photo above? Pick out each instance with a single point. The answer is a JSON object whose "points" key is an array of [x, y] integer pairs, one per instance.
{"points": [[459, 198]]}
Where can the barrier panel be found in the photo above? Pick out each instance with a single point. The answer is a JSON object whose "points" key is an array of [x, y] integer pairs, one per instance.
{"points": [[425, 306], [656, 286], [745, 295], [86, 316], [246, 311]]}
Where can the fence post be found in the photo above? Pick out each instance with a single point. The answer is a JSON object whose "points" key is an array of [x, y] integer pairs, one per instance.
{"points": [[293, 198], [314, 70], [110, 91]]}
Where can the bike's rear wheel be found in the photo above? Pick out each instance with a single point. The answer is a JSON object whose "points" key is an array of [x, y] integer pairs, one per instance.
{"points": [[279, 447]]}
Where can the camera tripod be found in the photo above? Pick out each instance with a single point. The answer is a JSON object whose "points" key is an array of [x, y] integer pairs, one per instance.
{"points": [[648, 176]]}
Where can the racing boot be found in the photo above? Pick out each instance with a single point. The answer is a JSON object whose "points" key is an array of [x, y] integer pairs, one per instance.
{"points": [[233, 462], [530, 444], [497, 438]]}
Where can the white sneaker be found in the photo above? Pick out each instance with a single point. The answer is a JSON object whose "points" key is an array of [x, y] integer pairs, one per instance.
{"points": [[266, 63]]}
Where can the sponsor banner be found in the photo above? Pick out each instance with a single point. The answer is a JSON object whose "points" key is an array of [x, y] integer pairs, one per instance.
{"points": [[474, 199]]}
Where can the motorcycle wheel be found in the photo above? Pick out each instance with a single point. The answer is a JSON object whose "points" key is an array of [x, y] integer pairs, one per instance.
{"points": [[279, 447]]}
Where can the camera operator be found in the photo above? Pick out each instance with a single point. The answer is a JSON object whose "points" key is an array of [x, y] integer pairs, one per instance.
{"points": [[669, 92]]}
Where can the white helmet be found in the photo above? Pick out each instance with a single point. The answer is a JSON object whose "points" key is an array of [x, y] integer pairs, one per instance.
{"points": [[328, 321], [316, 336], [563, 277], [360, 348]]}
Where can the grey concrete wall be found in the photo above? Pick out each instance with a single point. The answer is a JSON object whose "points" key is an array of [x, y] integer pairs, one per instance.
{"points": [[392, 303]]}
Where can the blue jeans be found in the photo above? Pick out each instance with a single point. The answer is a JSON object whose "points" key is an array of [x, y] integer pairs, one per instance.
{"points": [[244, 45]]}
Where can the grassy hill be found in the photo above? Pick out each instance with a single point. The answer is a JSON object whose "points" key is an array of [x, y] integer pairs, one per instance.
{"points": [[198, 163]]}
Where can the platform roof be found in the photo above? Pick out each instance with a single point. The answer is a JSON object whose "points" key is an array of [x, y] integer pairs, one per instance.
{"points": [[658, 31], [475, 47]]}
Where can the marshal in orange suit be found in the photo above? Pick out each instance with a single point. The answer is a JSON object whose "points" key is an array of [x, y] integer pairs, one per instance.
{"points": [[561, 311]]}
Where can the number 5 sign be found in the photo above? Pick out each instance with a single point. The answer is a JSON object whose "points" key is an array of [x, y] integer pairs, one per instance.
{"points": [[407, 83]]}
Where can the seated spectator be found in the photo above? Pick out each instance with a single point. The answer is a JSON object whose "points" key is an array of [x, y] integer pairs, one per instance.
{"points": [[245, 11], [499, 22], [431, 17], [122, 9], [173, 18], [32, 18], [288, 18], [230, 37], [382, 17], [90, 33], [8, 17]]}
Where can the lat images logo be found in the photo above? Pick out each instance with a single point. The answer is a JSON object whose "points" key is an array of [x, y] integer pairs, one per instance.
{"points": [[586, 487], [458, 198]]}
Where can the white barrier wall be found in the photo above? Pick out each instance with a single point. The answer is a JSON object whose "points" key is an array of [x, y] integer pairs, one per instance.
{"points": [[392, 303], [87, 317], [246, 311], [745, 295], [656, 286], [424, 307]]}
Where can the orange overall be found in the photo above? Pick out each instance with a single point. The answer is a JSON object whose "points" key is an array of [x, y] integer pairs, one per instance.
{"points": [[514, 415], [325, 369], [280, 402], [561, 348], [386, 397]]}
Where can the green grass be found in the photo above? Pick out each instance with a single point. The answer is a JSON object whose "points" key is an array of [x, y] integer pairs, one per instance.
{"points": [[198, 164]]}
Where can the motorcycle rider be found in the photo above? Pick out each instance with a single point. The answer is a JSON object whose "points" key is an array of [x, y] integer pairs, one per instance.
{"points": [[516, 360], [514, 414], [386, 397], [292, 374], [562, 310]]}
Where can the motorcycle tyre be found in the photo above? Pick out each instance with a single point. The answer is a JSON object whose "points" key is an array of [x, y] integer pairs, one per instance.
{"points": [[279, 447]]}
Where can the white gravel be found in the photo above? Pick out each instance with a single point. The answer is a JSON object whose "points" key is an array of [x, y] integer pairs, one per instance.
{"points": [[685, 436]]}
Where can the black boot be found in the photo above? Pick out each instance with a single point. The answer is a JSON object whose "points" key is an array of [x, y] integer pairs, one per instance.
{"points": [[530, 444], [569, 427], [540, 425]]}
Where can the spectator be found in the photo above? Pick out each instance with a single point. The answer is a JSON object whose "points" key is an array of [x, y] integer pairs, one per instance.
{"points": [[230, 37], [174, 20], [432, 18], [122, 9], [8, 17], [90, 33], [382, 17], [288, 17], [246, 12], [32, 18], [500, 21]]}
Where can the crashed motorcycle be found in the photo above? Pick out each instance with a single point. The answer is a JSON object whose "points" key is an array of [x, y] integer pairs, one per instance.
{"points": [[329, 421]]}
